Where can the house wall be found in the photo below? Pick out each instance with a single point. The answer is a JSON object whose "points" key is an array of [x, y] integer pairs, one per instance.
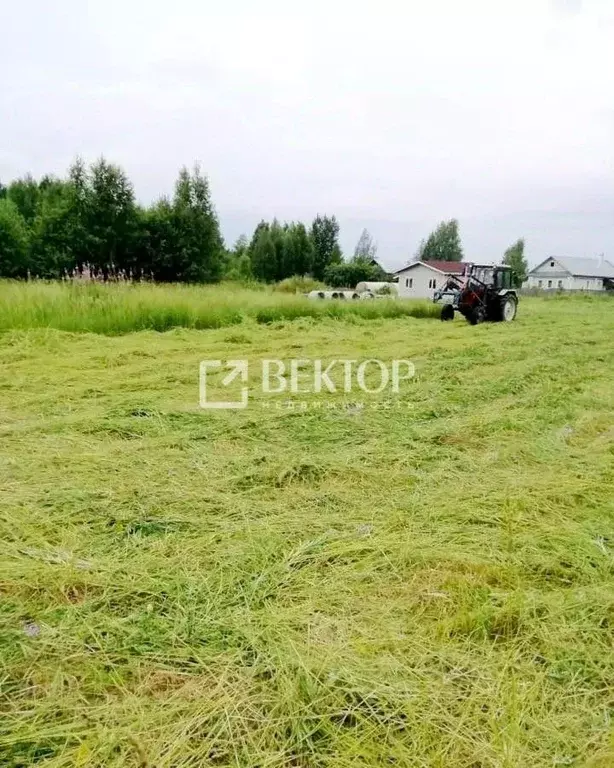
{"points": [[587, 284], [420, 282], [551, 281], [553, 276]]}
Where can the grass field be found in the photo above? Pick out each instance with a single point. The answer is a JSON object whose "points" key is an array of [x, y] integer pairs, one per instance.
{"points": [[123, 308], [424, 585]]}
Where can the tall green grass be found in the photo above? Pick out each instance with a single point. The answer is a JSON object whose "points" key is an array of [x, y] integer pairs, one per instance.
{"points": [[122, 308]]}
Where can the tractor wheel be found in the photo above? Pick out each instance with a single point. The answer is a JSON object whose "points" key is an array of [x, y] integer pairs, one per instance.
{"points": [[476, 315], [447, 312], [509, 306]]}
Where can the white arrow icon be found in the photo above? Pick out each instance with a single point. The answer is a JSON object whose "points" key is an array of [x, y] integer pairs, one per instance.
{"points": [[238, 368]]}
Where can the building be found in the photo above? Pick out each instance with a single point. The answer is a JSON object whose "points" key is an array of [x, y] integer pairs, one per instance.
{"points": [[420, 279], [559, 273]]}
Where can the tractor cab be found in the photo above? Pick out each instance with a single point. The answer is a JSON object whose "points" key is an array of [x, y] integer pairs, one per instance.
{"points": [[485, 275], [498, 277], [504, 278]]}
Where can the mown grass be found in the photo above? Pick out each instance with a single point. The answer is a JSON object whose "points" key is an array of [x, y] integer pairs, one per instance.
{"points": [[421, 581], [123, 308]]}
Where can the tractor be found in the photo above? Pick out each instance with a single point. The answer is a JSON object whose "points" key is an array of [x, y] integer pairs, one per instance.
{"points": [[481, 293]]}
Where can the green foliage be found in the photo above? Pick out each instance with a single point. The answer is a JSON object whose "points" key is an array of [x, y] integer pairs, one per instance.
{"points": [[198, 247], [13, 240], [299, 284], [53, 232], [325, 241], [443, 244], [263, 254], [80, 217], [278, 251], [238, 265], [348, 274], [111, 219], [25, 194], [303, 249], [90, 221], [158, 242], [90, 224], [514, 257]]}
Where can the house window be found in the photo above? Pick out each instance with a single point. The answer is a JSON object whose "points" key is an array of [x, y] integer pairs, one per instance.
{"points": [[540, 283], [551, 263], [411, 282], [434, 283], [406, 283], [560, 285], [549, 283]]}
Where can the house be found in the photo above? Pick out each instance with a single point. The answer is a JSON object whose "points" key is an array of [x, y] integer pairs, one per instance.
{"points": [[420, 279], [561, 273]]}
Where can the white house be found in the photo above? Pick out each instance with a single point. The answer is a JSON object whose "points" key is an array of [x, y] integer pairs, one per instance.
{"points": [[559, 273], [420, 279]]}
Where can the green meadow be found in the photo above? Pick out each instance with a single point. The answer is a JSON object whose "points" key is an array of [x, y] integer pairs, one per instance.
{"points": [[123, 307], [414, 579]]}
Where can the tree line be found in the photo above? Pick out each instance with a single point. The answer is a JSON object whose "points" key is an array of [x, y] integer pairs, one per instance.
{"points": [[57, 228], [90, 222]]}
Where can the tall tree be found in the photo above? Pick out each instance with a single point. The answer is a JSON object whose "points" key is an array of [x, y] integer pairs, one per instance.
{"points": [[284, 253], [303, 249], [366, 247], [111, 219], [200, 245], [13, 241], [264, 255], [52, 253], [263, 263], [287, 266], [325, 241], [159, 243], [80, 214], [514, 257], [443, 244]]}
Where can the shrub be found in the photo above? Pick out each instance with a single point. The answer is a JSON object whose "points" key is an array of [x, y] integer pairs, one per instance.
{"points": [[298, 284]]}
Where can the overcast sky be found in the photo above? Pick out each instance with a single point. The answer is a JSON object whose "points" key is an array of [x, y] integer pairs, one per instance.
{"points": [[391, 114]]}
